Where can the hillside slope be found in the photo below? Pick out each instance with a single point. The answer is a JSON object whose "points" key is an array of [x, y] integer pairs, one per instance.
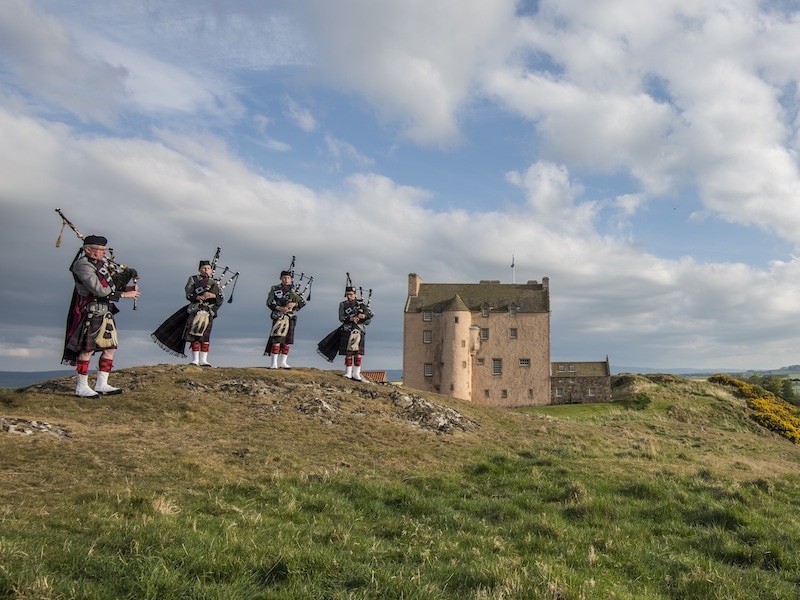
{"points": [[174, 421], [586, 501]]}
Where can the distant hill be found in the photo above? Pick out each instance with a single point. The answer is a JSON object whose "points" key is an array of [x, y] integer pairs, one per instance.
{"points": [[16, 379]]}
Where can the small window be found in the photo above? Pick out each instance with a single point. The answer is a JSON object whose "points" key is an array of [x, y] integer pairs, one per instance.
{"points": [[559, 392], [524, 362], [427, 315], [512, 311], [463, 343], [497, 366], [463, 364], [428, 369], [427, 336], [485, 393], [572, 368], [592, 392], [504, 394], [455, 319], [485, 311], [512, 333], [480, 362], [530, 392], [561, 368], [484, 333]]}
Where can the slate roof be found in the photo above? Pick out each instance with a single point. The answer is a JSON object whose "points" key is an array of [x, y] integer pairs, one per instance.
{"points": [[582, 369], [527, 297]]}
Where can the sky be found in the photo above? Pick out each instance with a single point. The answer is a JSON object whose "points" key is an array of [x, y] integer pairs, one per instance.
{"points": [[641, 155]]}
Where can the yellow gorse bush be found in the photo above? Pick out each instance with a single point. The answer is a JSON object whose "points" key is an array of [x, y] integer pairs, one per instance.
{"points": [[769, 410]]}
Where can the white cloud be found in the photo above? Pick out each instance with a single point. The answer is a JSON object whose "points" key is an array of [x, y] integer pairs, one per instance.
{"points": [[414, 61], [340, 150], [675, 98], [299, 115], [46, 60]]}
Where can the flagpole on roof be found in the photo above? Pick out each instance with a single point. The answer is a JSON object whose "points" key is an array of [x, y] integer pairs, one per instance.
{"points": [[513, 271]]}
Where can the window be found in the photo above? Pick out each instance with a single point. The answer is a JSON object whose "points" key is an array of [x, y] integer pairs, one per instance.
{"points": [[561, 368], [530, 392], [592, 392], [559, 392], [524, 362], [572, 368], [484, 333], [485, 393], [512, 311], [463, 343], [428, 369], [455, 319], [427, 336], [480, 362], [463, 364], [497, 366], [426, 315], [485, 311], [504, 394], [512, 333]]}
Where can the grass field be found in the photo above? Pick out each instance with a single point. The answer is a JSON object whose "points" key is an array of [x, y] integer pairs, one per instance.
{"points": [[251, 483]]}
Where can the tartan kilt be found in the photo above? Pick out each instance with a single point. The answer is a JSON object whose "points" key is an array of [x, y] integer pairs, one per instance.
{"points": [[344, 338], [77, 338], [81, 341], [286, 340]]}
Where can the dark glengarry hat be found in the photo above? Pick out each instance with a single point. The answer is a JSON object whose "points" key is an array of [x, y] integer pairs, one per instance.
{"points": [[349, 288], [95, 240], [284, 273], [204, 263]]}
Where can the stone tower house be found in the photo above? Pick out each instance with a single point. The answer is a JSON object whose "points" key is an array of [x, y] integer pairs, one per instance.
{"points": [[486, 342]]}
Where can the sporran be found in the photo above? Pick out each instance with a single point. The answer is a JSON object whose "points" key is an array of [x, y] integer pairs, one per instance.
{"points": [[105, 336], [354, 341], [280, 327], [199, 323]]}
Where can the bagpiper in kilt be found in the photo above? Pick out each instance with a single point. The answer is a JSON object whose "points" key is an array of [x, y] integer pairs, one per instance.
{"points": [[91, 326]]}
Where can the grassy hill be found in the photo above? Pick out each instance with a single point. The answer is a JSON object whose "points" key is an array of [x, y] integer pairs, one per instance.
{"points": [[254, 483]]}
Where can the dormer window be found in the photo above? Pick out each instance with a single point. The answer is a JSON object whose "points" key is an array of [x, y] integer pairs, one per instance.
{"points": [[485, 310], [512, 311]]}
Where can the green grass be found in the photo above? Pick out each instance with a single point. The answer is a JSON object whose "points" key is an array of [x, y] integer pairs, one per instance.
{"points": [[211, 496]]}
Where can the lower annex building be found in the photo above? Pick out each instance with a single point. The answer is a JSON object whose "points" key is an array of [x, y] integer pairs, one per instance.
{"points": [[490, 343]]}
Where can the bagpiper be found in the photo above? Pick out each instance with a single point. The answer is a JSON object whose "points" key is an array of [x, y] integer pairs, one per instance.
{"points": [[192, 323], [349, 338], [91, 327], [284, 301]]}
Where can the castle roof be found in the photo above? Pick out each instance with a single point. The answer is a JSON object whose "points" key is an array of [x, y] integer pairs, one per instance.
{"points": [[530, 297], [581, 369]]}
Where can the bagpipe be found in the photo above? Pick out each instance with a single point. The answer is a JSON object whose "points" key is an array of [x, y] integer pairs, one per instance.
{"points": [[303, 292], [360, 294], [219, 278], [120, 274]]}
